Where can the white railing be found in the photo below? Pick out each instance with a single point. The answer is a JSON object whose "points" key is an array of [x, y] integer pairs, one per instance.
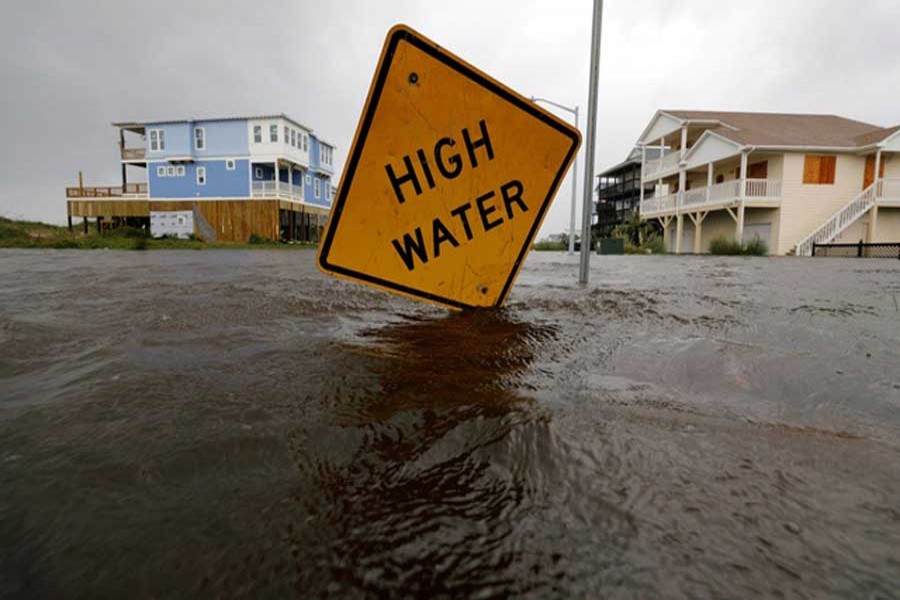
{"points": [[762, 188], [720, 193], [654, 167], [656, 204], [839, 221], [889, 189], [277, 189]]}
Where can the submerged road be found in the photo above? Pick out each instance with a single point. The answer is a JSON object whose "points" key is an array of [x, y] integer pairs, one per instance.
{"points": [[234, 424]]}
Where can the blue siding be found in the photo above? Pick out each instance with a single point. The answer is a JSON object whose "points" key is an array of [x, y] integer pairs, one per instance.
{"points": [[223, 138], [220, 182], [178, 140]]}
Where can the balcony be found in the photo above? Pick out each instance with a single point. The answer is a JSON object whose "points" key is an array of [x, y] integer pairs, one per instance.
{"points": [[130, 190], [277, 189], [720, 195], [133, 153], [661, 167]]}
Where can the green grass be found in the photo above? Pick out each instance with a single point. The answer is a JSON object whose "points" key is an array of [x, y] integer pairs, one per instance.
{"points": [[29, 234], [548, 245], [725, 246]]}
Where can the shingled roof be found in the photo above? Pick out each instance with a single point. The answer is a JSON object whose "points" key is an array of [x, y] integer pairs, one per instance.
{"points": [[780, 129]]}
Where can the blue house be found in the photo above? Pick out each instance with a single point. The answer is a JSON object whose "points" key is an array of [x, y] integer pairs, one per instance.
{"points": [[267, 175]]}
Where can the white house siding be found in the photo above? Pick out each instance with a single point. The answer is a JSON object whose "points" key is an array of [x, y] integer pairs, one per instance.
{"points": [[888, 229], [891, 165], [804, 207], [267, 151]]}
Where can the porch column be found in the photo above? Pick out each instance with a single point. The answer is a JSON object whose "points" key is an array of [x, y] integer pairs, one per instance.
{"points": [[679, 232], [291, 180], [877, 168], [683, 142], [84, 223], [70, 223], [709, 180], [739, 227], [873, 222], [742, 191], [698, 233], [277, 179], [641, 178], [121, 156]]}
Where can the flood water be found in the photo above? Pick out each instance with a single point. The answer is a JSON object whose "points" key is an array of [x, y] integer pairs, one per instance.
{"points": [[228, 424]]}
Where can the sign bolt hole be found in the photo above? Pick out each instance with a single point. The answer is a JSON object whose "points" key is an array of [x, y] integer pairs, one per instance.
{"points": [[413, 78], [483, 289]]}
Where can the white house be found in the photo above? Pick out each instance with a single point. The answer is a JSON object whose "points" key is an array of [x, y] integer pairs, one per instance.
{"points": [[788, 179]]}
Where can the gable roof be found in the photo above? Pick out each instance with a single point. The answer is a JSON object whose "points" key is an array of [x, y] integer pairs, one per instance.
{"points": [[783, 129]]}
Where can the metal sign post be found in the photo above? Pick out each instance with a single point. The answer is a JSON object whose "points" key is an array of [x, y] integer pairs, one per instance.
{"points": [[590, 135]]}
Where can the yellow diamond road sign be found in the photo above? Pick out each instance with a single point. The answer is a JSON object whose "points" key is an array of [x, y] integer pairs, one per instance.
{"points": [[448, 180]]}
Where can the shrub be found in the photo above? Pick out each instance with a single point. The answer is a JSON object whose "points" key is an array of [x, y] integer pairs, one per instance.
{"points": [[652, 245], [729, 247], [140, 243], [255, 238], [756, 247]]}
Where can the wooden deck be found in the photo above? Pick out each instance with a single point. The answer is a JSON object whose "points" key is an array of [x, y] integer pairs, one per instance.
{"points": [[232, 220]]}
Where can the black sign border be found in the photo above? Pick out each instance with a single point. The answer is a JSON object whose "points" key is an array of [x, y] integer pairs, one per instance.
{"points": [[403, 33]]}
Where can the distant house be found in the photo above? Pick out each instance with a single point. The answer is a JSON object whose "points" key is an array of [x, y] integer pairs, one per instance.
{"points": [[619, 191], [223, 179], [790, 179]]}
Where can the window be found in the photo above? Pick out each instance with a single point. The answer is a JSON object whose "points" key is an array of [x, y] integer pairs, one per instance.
{"points": [[326, 154], [305, 143], [257, 134], [157, 140], [170, 171], [258, 172], [273, 133], [308, 180], [317, 187], [287, 136], [179, 170], [229, 164], [199, 138], [294, 138], [160, 171], [201, 175], [720, 178], [819, 169]]}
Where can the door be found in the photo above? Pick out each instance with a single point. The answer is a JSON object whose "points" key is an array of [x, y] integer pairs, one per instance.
{"points": [[869, 173]]}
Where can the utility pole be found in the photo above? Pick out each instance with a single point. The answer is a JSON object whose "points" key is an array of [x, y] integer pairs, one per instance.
{"points": [[574, 111], [590, 135]]}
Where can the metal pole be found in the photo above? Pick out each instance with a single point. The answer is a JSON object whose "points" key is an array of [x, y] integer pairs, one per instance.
{"points": [[590, 134], [574, 201]]}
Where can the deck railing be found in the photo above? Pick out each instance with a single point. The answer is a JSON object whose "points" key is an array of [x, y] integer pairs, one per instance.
{"points": [[277, 189], [720, 193], [654, 167], [130, 190], [134, 153]]}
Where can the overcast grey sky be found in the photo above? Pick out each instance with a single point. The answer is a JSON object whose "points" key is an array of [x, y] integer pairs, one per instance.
{"points": [[69, 68]]}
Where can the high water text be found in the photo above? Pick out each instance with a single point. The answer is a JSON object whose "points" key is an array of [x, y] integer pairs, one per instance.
{"points": [[469, 219]]}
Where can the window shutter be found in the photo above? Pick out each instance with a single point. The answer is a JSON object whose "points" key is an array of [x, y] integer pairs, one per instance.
{"points": [[811, 169], [827, 168]]}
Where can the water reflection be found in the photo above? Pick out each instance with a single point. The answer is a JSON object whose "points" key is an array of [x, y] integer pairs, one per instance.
{"points": [[428, 475]]}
